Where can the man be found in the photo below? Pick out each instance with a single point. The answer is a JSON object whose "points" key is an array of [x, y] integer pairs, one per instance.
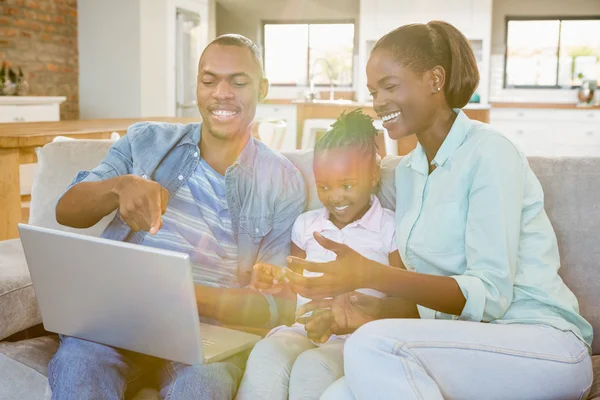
{"points": [[206, 189]]}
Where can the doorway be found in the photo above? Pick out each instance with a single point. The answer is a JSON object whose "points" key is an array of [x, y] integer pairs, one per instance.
{"points": [[188, 45]]}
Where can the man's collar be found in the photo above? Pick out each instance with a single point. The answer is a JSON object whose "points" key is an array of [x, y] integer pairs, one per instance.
{"points": [[246, 158]]}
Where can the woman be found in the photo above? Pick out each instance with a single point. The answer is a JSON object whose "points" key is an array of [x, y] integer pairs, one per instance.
{"points": [[476, 242]]}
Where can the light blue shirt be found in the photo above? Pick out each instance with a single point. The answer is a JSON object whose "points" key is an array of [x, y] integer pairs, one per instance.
{"points": [[198, 222], [479, 218]]}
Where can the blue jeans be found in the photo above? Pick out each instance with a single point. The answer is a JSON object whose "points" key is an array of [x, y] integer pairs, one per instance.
{"points": [[440, 359], [85, 370]]}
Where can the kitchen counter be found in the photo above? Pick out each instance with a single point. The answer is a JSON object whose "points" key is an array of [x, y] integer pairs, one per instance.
{"points": [[332, 109], [24, 135], [353, 104], [278, 101], [562, 106]]}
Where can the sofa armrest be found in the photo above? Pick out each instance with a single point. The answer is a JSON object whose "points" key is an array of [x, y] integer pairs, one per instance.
{"points": [[18, 306]]}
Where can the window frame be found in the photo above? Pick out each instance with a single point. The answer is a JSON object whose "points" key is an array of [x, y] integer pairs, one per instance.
{"points": [[509, 18], [311, 22]]}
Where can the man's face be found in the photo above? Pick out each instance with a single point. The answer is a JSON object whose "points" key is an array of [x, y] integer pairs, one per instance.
{"points": [[229, 88]]}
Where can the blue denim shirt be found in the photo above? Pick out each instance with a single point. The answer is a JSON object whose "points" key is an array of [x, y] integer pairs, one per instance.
{"points": [[265, 192]]}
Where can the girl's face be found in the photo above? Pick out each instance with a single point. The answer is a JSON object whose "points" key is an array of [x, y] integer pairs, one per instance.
{"points": [[345, 180], [401, 97]]}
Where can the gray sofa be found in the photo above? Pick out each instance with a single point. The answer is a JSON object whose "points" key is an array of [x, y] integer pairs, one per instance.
{"points": [[572, 189]]}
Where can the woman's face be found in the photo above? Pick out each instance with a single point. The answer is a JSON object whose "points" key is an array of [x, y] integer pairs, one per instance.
{"points": [[401, 97]]}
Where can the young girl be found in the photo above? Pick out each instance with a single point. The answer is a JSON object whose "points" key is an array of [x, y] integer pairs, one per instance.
{"points": [[289, 363]]}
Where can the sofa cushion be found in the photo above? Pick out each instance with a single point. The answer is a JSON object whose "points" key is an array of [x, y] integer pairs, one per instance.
{"points": [[572, 201], [33, 353], [24, 368], [58, 164], [387, 184], [595, 390], [28, 171], [18, 305], [19, 382], [303, 160]]}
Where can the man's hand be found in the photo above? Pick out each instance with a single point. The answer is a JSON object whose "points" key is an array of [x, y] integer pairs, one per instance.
{"points": [[319, 325], [268, 278], [141, 203], [343, 314]]}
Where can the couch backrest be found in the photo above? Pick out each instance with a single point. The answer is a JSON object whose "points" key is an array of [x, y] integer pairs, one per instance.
{"points": [[572, 201], [571, 187], [303, 160], [58, 163]]}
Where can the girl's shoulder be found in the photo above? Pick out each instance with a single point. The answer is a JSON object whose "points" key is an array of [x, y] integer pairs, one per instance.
{"points": [[308, 218]]}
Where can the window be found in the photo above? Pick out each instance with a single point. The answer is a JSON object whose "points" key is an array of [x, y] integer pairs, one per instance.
{"points": [[296, 53], [551, 52]]}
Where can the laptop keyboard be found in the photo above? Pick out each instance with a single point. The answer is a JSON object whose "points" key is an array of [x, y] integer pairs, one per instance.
{"points": [[207, 343]]}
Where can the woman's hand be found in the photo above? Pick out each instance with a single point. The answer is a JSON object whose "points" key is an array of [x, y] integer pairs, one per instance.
{"points": [[343, 314], [268, 278], [348, 272]]}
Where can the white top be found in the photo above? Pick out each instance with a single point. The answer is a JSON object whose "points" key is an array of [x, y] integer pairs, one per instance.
{"points": [[373, 236]]}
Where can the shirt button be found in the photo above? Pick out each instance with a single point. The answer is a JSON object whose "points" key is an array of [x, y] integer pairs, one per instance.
{"points": [[256, 230], [180, 177], [196, 154]]}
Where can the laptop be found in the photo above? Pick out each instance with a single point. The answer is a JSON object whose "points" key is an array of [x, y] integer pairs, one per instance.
{"points": [[123, 295]]}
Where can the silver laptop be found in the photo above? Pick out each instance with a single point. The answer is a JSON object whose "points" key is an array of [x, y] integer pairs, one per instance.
{"points": [[123, 295]]}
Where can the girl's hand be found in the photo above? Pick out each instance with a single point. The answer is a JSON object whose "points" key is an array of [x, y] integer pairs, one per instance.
{"points": [[348, 272]]}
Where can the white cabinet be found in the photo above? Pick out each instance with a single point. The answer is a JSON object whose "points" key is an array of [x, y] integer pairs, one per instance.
{"points": [[531, 138], [378, 17], [30, 108], [472, 17], [281, 112], [550, 132], [579, 140]]}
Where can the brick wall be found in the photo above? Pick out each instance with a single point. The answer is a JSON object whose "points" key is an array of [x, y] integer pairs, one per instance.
{"points": [[40, 36]]}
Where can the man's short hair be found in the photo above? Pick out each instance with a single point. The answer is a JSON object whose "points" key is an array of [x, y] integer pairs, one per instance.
{"points": [[232, 39]]}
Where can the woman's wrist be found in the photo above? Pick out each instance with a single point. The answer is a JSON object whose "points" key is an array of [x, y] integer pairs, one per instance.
{"points": [[385, 279], [374, 275]]}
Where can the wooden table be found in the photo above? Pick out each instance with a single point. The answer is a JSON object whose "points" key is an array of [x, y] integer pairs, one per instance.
{"points": [[331, 110], [17, 146]]}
